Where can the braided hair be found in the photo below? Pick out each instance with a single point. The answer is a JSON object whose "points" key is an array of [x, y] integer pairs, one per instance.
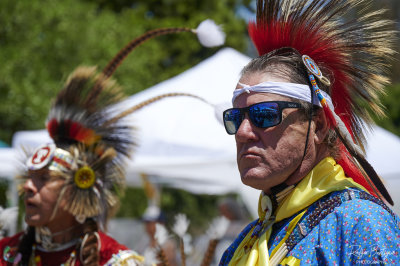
{"points": [[25, 245], [89, 251]]}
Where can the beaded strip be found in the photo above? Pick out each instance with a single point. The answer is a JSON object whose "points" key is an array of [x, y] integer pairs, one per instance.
{"points": [[264, 222], [324, 207]]}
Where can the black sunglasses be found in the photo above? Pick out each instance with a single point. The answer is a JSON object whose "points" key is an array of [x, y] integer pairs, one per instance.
{"points": [[262, 115]]}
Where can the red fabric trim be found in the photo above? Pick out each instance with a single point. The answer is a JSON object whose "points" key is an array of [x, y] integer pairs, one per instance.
{"points": [[109, 246], [61, 161]]}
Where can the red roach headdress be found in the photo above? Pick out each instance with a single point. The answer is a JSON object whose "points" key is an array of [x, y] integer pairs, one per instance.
{"points": [[354, 44]]}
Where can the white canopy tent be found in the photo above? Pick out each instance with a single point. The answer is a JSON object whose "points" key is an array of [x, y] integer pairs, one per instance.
{"points": [[383, 153], [181, 142], [8, 162]]}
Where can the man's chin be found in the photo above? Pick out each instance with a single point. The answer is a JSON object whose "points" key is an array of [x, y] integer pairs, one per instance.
{"points": [[256, 179], [33, 220], [253, 181]]}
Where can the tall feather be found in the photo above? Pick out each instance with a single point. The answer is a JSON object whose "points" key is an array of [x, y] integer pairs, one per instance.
{"points": [[208, 33], [180, 227], [353, 51], [215, 232], [161, 236], [152, 100]]}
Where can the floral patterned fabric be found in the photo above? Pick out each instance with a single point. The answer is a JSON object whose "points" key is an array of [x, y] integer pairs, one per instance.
{"points": [[357, 232]]}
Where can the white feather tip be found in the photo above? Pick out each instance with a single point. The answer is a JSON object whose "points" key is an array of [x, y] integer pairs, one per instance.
{"points": [[210, 34], [161, 234], [150, 257], [218, 227], [181, 225]]}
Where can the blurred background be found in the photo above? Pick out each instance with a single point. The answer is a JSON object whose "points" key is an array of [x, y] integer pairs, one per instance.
{"points": [[42, 42]]}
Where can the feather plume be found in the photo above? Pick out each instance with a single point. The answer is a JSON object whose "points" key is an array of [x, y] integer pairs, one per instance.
{"points": [[215, 232], [354, 53], [210, 34], [8, 217], [180, 227], [161, 234], [161, 237], [152, 100], [218, 227], [150, 257]]}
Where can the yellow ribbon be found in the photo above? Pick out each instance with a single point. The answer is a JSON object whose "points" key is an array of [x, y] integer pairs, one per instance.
{"points": [[324, 178]]}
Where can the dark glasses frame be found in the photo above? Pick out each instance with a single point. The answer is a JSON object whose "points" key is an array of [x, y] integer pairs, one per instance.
{"points": [[250, 110]]}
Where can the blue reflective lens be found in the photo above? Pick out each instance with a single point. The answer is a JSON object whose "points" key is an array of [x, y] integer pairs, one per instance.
{"points": [[262, 115], [232, 120]]}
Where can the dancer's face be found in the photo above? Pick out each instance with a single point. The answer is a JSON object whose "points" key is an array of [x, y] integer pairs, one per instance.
{"points": [[41, 195]]}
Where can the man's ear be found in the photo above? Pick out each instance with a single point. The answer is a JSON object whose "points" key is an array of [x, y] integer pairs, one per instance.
{"points": [[321, 126]]}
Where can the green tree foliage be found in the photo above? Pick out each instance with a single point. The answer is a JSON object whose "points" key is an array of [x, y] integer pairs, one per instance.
{"points": [[42, 41], [391, 103]]}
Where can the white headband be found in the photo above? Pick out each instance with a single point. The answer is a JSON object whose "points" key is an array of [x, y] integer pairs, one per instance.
{"points": [[294, 90]]}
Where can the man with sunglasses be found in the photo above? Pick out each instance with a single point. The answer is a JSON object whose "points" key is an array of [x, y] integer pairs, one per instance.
{"points": [[298, 135], [271, 132]]}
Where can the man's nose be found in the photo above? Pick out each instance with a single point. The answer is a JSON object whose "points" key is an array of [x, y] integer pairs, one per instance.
{"points": [[29, 186], [245, 132]]}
